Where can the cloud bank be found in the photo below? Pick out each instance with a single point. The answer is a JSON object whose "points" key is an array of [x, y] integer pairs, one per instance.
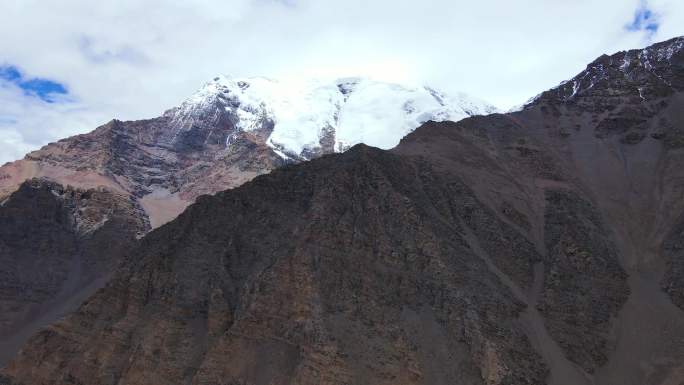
{"points": [[133, 59]]}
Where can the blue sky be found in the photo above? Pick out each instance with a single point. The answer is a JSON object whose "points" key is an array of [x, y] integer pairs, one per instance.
{"points": [[76, 64], [44, 89], [645, 20]]}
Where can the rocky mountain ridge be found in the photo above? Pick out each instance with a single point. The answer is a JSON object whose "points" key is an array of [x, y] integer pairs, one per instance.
{"points": [[230, 131], [539, 246], [57, 246], [227, 133]]}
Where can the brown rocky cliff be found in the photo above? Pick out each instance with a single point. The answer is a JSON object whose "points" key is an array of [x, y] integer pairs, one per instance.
{"points": [[57, 246], [343, 270]]}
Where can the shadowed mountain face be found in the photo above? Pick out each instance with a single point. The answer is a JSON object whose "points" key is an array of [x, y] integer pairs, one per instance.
{"points": [[57, 246], [222, 136], [353, 268], [541, 246]]}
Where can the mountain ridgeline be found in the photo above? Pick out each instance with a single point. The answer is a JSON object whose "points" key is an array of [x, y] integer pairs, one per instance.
{"points": [[544, 245], [225, 134]]}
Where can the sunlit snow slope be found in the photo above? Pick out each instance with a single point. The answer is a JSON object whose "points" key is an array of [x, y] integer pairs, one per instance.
{"points": [[343, 112]]}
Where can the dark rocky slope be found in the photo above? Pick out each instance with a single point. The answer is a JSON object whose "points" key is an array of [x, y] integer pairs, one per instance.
{"points": [[218, 138], [57, 246], [356, 268], [541, 246]]}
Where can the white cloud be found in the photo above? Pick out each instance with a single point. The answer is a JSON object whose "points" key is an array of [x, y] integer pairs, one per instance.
{"points": [[131, 59], [27, 122]]}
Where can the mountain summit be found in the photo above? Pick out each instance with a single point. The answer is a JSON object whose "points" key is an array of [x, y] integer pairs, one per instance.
{"points": [[303, 119], [129, 177], [231, 130]]}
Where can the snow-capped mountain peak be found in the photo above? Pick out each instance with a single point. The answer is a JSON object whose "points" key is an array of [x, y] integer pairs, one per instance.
{"points": [[303, 118]]}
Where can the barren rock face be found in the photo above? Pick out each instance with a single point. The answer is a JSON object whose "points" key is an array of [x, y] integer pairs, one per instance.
{"points": [[219, 138], [344, 270], [135, 158], [228, 132], [540, 246], [57, 246]]}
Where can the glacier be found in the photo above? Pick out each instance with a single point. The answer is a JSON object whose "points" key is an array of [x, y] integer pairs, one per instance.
{"points": [[345, 111]]}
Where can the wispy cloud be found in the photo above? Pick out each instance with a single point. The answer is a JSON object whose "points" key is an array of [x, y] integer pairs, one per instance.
{"points": [[100, 54]]}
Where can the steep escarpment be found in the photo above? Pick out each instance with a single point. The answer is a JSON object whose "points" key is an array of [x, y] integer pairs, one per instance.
{"points": [[57, 246], [573, 282], [356, 268], [594, 173]]}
